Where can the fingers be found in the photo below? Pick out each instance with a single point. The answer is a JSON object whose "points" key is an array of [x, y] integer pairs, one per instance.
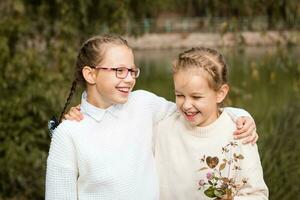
{"points": [[251, 139], [244, 129], [72, 117], [246, 133], [256, 138], [77, 107], [247, 130], [244, 124], [240, 122], [74, 114], [67, 116]]}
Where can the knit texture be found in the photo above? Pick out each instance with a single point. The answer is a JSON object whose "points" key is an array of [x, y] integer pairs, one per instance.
{"points": [[108, 155], [179, 149]]}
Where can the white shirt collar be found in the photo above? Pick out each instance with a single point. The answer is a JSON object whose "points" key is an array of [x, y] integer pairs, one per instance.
{"points": [[98, 113]]}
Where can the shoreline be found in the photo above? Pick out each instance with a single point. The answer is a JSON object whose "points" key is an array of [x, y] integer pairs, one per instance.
{"points": [[152, 41]]}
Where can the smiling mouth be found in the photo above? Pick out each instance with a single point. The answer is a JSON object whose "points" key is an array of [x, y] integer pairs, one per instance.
{"points": [[124, 90], [190, 115]]}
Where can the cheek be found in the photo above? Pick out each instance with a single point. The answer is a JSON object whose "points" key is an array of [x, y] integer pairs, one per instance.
{"points": [[134, 82], [179, 101], [113, 79], [107, 82], [200, 104], [206, 105]]}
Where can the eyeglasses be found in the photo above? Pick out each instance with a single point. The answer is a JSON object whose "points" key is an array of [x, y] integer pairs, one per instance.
{"points": [[122, 72]]}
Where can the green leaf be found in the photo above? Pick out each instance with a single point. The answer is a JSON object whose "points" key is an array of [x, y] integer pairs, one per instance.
{"points": [[203, 168], [222, 166], [219, 193], [210, 192]]}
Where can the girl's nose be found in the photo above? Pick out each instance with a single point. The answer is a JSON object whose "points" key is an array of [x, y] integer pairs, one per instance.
{"points": [[187, 105]]}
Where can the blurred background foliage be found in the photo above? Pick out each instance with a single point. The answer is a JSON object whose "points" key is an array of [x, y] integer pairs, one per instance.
{"points": [[39, 40]]}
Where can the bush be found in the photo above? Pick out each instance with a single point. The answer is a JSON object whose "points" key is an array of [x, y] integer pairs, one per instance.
{"points": [[280, 153]]}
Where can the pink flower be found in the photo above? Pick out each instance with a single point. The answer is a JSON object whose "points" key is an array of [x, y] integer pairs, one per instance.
{"points": [[201, 182], [209, 176]]}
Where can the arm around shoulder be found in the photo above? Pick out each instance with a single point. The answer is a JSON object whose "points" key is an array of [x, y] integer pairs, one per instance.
{"points": [[237, 112], [159, 106]]}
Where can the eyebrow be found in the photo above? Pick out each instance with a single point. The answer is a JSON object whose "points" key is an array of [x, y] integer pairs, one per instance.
{"points": [[196, 93], [193, 93], [122, 65]]}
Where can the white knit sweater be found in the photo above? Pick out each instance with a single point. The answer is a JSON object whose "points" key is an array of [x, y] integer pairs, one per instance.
{"points": [[107, 155], [179, 149]]}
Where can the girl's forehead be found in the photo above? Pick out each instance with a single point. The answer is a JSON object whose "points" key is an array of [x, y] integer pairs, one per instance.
{"points": [[118, 55], [191, 72], [190, 80], [117, 50]]}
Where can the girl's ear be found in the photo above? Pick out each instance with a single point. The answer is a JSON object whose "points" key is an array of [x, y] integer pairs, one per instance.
{"points": [[222, 93], [89, 74]]}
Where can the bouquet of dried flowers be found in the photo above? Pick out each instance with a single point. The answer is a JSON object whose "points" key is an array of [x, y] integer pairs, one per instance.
{"points": [[218, 185]]}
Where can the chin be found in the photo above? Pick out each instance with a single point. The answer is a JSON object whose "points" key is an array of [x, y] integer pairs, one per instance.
{"points": [[121, 100], [196, 123], [192, 123]]}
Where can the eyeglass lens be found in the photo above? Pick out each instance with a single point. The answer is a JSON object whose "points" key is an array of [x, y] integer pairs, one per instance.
{"points": [[122, 72]]}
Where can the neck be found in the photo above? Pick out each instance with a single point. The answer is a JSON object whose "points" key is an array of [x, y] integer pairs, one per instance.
{"points": [[95, 99], [212, 118]]}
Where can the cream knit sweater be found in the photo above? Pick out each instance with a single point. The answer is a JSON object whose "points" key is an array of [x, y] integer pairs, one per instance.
{"points": [[179, 149]]}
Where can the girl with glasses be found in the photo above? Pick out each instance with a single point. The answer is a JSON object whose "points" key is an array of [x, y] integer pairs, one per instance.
{"points": [[108, 154]]}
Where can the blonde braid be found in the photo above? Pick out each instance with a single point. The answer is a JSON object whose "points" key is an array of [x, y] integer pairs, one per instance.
{"points": [[207, 59]]}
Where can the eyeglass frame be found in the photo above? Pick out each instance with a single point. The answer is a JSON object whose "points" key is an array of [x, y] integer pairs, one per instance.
{"points": [[131, 70]]}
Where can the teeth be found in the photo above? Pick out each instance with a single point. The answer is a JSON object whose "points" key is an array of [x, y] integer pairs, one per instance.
{"points": [[190, 114], [124, 89]]}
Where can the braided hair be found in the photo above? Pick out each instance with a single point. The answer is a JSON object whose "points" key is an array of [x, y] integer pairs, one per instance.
{"points": [[207, 59]]}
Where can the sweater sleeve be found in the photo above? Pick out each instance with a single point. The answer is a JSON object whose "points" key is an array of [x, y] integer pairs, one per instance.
{"points": [[255, 188], [61, 174], [159, 106], [235, 113]]}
